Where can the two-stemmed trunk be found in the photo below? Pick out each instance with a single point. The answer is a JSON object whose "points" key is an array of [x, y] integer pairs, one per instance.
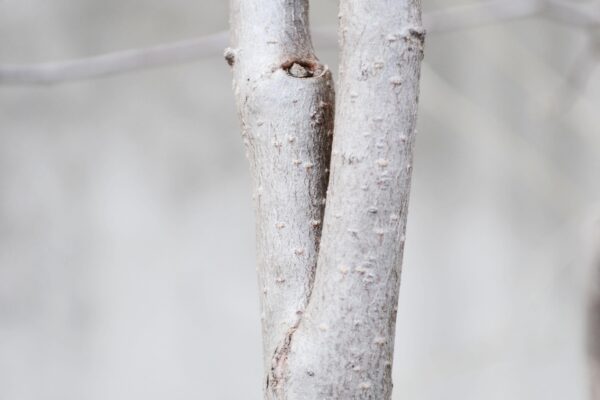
{"points": [[329, 254]]}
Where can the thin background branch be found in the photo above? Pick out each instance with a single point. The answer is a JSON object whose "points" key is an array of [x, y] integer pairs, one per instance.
{"points": [[114, 63], [583, 15]]}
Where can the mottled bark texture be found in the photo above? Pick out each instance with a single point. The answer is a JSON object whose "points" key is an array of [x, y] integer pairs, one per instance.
{"points": [[329, 332], [285, 99], [343, 348]]}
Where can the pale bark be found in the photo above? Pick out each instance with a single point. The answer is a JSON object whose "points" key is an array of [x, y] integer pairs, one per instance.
{"points": [[329, 335], [593, 330], [343, 347], [285, 100]]}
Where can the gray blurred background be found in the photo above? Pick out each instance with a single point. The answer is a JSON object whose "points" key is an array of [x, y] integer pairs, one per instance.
{"points": [[126, 227]]}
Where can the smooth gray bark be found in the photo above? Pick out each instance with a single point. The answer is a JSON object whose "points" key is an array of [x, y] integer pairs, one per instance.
{"points": [[328, 327], [285, 99], [343, 347]]}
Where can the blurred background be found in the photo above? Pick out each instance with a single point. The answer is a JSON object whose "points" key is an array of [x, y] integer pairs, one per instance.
{"points": [[126, 226]]}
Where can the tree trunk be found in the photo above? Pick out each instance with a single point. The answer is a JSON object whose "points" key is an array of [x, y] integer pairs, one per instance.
{"points": [[329, 333], [343, 348], [285, 100]]}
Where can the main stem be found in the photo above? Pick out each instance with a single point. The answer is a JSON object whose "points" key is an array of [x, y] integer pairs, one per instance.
{"points": [[343, 347], [285, 100], [328, 313]]}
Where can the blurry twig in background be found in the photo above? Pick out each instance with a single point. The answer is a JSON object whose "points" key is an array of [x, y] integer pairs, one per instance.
{"points": [[581, 71], [583, 15], [114, 63], [483, 13], [593, 313]]}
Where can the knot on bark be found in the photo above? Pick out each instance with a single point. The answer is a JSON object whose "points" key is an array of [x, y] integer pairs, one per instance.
{"points": [[229, 55], [417, 33], [303, 69]]}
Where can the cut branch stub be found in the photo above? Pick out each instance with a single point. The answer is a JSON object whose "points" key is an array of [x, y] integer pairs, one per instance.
{"points": [[303, 69]]}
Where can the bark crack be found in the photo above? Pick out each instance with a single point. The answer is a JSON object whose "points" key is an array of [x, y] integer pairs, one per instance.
{"points": [[277, 375], [278, 364]]}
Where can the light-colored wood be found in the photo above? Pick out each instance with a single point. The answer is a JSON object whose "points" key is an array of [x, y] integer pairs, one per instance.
{"points": [[343, 347], [285, 99]]}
